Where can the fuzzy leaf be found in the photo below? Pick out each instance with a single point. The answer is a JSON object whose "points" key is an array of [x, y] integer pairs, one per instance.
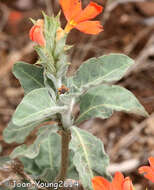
{"points": [[30, 166], [103, 100], [30, 76], [13, 133], [49, 155], [36, 106], [51, 24], [72, 172], [43, 156], [107, 68], [33, 150], [90, 158], [40, 158]]}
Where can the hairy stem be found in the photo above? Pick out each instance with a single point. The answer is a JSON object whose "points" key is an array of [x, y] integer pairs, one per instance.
{"points": [[64, 155], [67, 115]]}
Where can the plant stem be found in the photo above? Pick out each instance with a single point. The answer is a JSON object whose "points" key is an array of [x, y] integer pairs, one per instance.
{"points": [[67, 115], [64, 155]]}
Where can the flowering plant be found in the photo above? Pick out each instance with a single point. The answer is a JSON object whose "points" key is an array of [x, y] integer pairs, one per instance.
{"points": [[61, 150]]}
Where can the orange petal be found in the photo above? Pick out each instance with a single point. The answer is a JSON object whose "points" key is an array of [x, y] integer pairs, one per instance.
{"points": [[144, 169], [100, 183], [149, 172], [127, 184], [118, 181], [151, 161], [90, 27], [71, 8], [90, 12], [150, 176]]}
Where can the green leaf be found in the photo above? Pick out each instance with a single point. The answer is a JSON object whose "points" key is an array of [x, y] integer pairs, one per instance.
{"points": [[30, 76], [72, 172], [50, 154], [90, 158], [35, 107], [42, 158], [33, 150], [103, 100], [107, 68], [13, 133], [30, 166]]}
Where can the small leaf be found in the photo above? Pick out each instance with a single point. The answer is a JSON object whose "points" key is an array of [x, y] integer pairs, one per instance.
{"points": [[96, 71], [46, 60], [35, 107], [90, 158], [32, 20], [103, 100], [30, 76]]}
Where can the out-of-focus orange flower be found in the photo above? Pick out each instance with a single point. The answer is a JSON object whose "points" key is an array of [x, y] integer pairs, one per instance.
{"points": [[148, 170], [15, 17], [118, 183], [80, 18], [36, 33]]}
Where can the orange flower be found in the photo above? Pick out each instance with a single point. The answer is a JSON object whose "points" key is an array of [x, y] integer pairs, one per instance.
{"points": [[36, 33], [118, 183], [15, 17], [80, 18], [148, 170]]}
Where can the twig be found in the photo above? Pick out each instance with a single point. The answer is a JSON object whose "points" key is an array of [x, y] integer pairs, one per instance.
{"points": [[111, 6], [5, 180], [148, 21], [128, 49], [130, 138], [140, 62], [125, 166]]}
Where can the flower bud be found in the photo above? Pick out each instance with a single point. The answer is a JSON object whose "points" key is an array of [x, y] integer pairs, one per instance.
{"points": [[60, 33], [36, 33]]}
